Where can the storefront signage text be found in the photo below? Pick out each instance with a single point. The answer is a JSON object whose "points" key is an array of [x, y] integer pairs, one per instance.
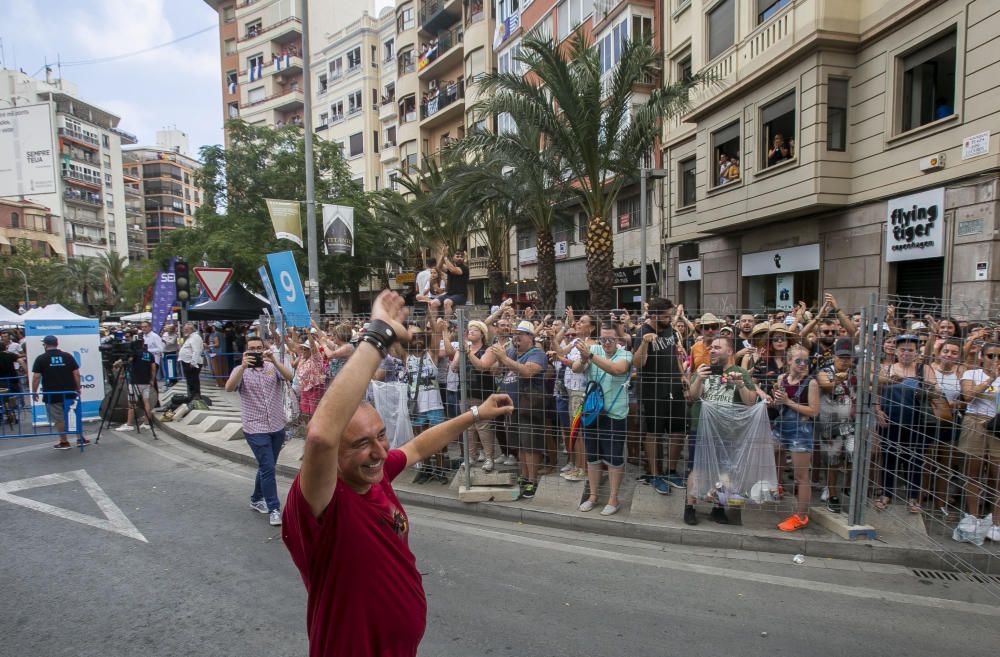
{"points": [[914, 229]]}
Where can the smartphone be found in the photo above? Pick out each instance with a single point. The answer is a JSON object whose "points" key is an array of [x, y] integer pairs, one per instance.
{"points": [[256, 360], [718, 370]]}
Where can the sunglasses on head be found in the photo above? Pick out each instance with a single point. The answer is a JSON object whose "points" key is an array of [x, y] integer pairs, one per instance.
{"points": [[991, 356]]}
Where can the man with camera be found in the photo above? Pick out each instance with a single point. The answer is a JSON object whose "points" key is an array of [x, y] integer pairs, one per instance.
{"points": [[342, 511], [141, 374], [259, 378]]}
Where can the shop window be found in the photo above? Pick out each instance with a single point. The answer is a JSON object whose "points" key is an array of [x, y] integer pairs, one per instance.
{"points": [[721, 28], [688, 181], [778, 131], [768, 8], [928, 81], [356, 144], [726, 155], [836, 114]]}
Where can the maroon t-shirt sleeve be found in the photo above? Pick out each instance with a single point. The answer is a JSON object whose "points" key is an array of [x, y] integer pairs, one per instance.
{"points": [[395, 462]]}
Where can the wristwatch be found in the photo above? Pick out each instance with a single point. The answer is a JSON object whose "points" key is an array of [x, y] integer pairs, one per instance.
{"points": [[475, 413]]}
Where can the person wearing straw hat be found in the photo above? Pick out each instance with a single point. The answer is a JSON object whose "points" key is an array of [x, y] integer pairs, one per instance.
{"points": [[523, 381], [708, 325]]}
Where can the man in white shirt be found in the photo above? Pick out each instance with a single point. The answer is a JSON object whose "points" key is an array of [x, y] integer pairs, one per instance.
{"points": [[423, 282], [154, 343], [190, 357]]}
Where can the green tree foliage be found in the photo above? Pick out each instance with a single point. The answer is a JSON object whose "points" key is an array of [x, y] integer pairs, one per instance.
{"points": [[45, 278], [233, 228]]}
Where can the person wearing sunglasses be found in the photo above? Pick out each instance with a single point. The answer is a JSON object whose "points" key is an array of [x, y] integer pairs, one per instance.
{"points": [[822, 332], [796, 396], [709, 326], [901, 433], [979, 444]]}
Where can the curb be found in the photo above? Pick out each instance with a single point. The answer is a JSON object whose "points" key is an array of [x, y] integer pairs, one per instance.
{"points": [[854, 551]]}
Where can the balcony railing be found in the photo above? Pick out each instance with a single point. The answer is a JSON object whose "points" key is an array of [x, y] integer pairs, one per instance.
{"points": [[272, 97], [85, 198], [79, 136], [270, 28], [83, 158], [442, 43], [79, 177], [446, 96]]}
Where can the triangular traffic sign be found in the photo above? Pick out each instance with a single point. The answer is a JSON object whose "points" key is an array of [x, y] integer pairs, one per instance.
{"points": [[113, 521], [213, 279]]}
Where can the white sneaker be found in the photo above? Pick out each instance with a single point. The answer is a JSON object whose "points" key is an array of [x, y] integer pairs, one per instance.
{"points": [[609, 510], [566, 468], [968, 524], [488, 465], [510, 460], [275, 518], [125, 427], [260, 506], [575, 475], [480, 458], [825, 495], [993, 533], [143, 426]]}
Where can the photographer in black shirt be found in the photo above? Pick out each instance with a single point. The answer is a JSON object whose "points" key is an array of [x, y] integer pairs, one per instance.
{"points": [[58, 372]]}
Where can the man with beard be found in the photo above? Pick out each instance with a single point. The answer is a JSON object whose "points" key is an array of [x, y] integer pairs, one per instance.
{"points": [[742, 341], [661, 393], [820, 335]]}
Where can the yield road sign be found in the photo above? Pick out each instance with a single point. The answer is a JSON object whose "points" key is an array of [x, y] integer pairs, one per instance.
{"points": [[213, 279]]}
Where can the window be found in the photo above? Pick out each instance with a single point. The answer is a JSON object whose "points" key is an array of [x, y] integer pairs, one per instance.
{"points": [[777, 120], [404, 20], [356, 144], [107, 180], [581, 223], [231, 81], [721, 28], [337, 111], [688, 182], [628, 213], [407, 63], [374, 99], [526, 238], [110, 203], [254, 28], [229, 46], [836, 114], [726, 155], [475, 65], [14, 221], [388, 50], [609, 49], [234, 110], [562, 18], [408, 109], [642, 28], [390, 136], [353, 59], [229, 14], [768, 8], [187, 208], [336, 68], [255, 95], [354, 102], [682, 67], [929, 83], [389, 94], [255, 64], [106, 141], [322, 83]]}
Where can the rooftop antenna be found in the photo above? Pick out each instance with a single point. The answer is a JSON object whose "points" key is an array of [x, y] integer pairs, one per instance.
{"points": [[59, 67]]}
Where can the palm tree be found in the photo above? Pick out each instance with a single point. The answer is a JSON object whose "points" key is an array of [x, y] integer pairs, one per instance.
{"points": [[85, 277], [531, 181], [437, 216], [590, 122], [113, 267]]}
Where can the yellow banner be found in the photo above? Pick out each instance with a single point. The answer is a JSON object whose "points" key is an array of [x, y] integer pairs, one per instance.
{"points": [[285, 219]]}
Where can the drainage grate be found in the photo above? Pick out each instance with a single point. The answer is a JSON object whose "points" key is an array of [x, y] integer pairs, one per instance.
{"points": [[948, 576]]}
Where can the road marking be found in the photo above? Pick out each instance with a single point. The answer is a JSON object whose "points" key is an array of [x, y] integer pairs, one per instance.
{"points": [[691, 568], [114, 520], [22, 450]]}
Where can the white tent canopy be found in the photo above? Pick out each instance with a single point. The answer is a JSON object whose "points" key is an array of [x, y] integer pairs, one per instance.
{"points": [[9, 317], [51, 311], [138, 317]]}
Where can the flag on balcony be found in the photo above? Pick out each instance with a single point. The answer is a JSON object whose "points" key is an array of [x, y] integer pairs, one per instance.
{"points": [[285, 219], [232, 87]]}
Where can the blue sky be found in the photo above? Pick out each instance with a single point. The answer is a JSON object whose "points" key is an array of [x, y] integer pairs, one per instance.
{"points": [[176, 85]]}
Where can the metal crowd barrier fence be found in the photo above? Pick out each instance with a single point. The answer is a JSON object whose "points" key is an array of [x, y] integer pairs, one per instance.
{"points": [[64, 415]]}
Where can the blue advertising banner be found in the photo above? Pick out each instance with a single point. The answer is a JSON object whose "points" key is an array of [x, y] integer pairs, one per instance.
{"points": [[288, 286], [164, 295], [269, 291]]}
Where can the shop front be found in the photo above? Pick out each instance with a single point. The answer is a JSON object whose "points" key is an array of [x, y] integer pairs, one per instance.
{"points": [[914, 244], [689, 286], [776, 279]]}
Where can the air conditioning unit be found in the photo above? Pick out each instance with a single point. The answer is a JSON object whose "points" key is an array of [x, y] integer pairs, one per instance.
{"points": [[433, 84]]}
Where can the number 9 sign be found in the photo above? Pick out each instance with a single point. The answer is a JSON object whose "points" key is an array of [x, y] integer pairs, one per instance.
{"points": [[290, 295]]}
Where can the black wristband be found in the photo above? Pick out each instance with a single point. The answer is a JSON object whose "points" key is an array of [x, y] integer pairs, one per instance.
{"points": [[373, 341], [382, 333]]}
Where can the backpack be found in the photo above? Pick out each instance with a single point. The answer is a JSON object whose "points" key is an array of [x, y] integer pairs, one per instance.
{"points": [[593, 399]]}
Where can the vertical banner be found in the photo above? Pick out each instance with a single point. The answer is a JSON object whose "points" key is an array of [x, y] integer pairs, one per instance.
{"points": [[81, 338], [285, 219], [269, 291], [338, 229], [288, 286], [784, 291], [164, 294]]}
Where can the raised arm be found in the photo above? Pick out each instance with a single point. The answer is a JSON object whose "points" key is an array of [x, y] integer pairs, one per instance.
{"points": [[318, 473]]}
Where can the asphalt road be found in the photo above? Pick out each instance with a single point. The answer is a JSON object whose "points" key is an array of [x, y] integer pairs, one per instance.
{"points": [[170, 561]]}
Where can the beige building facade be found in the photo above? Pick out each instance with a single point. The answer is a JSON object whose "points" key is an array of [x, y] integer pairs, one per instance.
{"points": [[847, 147]]}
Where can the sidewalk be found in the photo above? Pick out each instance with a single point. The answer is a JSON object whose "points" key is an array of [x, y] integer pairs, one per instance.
{"points": [[901, 537]]}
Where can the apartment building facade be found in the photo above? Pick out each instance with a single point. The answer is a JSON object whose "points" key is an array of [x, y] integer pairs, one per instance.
{"points": [[161, 193], [88, 206], [21, 219], [260, 46], [847, 147]]}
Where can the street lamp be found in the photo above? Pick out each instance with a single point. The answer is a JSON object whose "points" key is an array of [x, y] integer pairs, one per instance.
{"points": [[27, 301], [645, 174]]}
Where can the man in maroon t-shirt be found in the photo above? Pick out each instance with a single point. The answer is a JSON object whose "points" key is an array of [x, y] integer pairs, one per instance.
{"points": [[345, 529]]}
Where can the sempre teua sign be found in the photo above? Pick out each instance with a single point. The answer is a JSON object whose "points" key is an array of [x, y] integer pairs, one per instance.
{"points": [[915, 226]]}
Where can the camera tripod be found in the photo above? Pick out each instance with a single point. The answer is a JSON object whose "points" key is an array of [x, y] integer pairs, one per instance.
{"points": [[121, 380]]}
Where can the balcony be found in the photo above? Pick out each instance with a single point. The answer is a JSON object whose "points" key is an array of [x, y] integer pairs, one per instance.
{"points": [[80, 197], [390, 153], [287, 30], [80, 138], [282, 101], [437, 15], [387, 110], [478, 267], [444, 54], [449, 102], [281, 66], [82, 157], [86, 221], [81, 179]]}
